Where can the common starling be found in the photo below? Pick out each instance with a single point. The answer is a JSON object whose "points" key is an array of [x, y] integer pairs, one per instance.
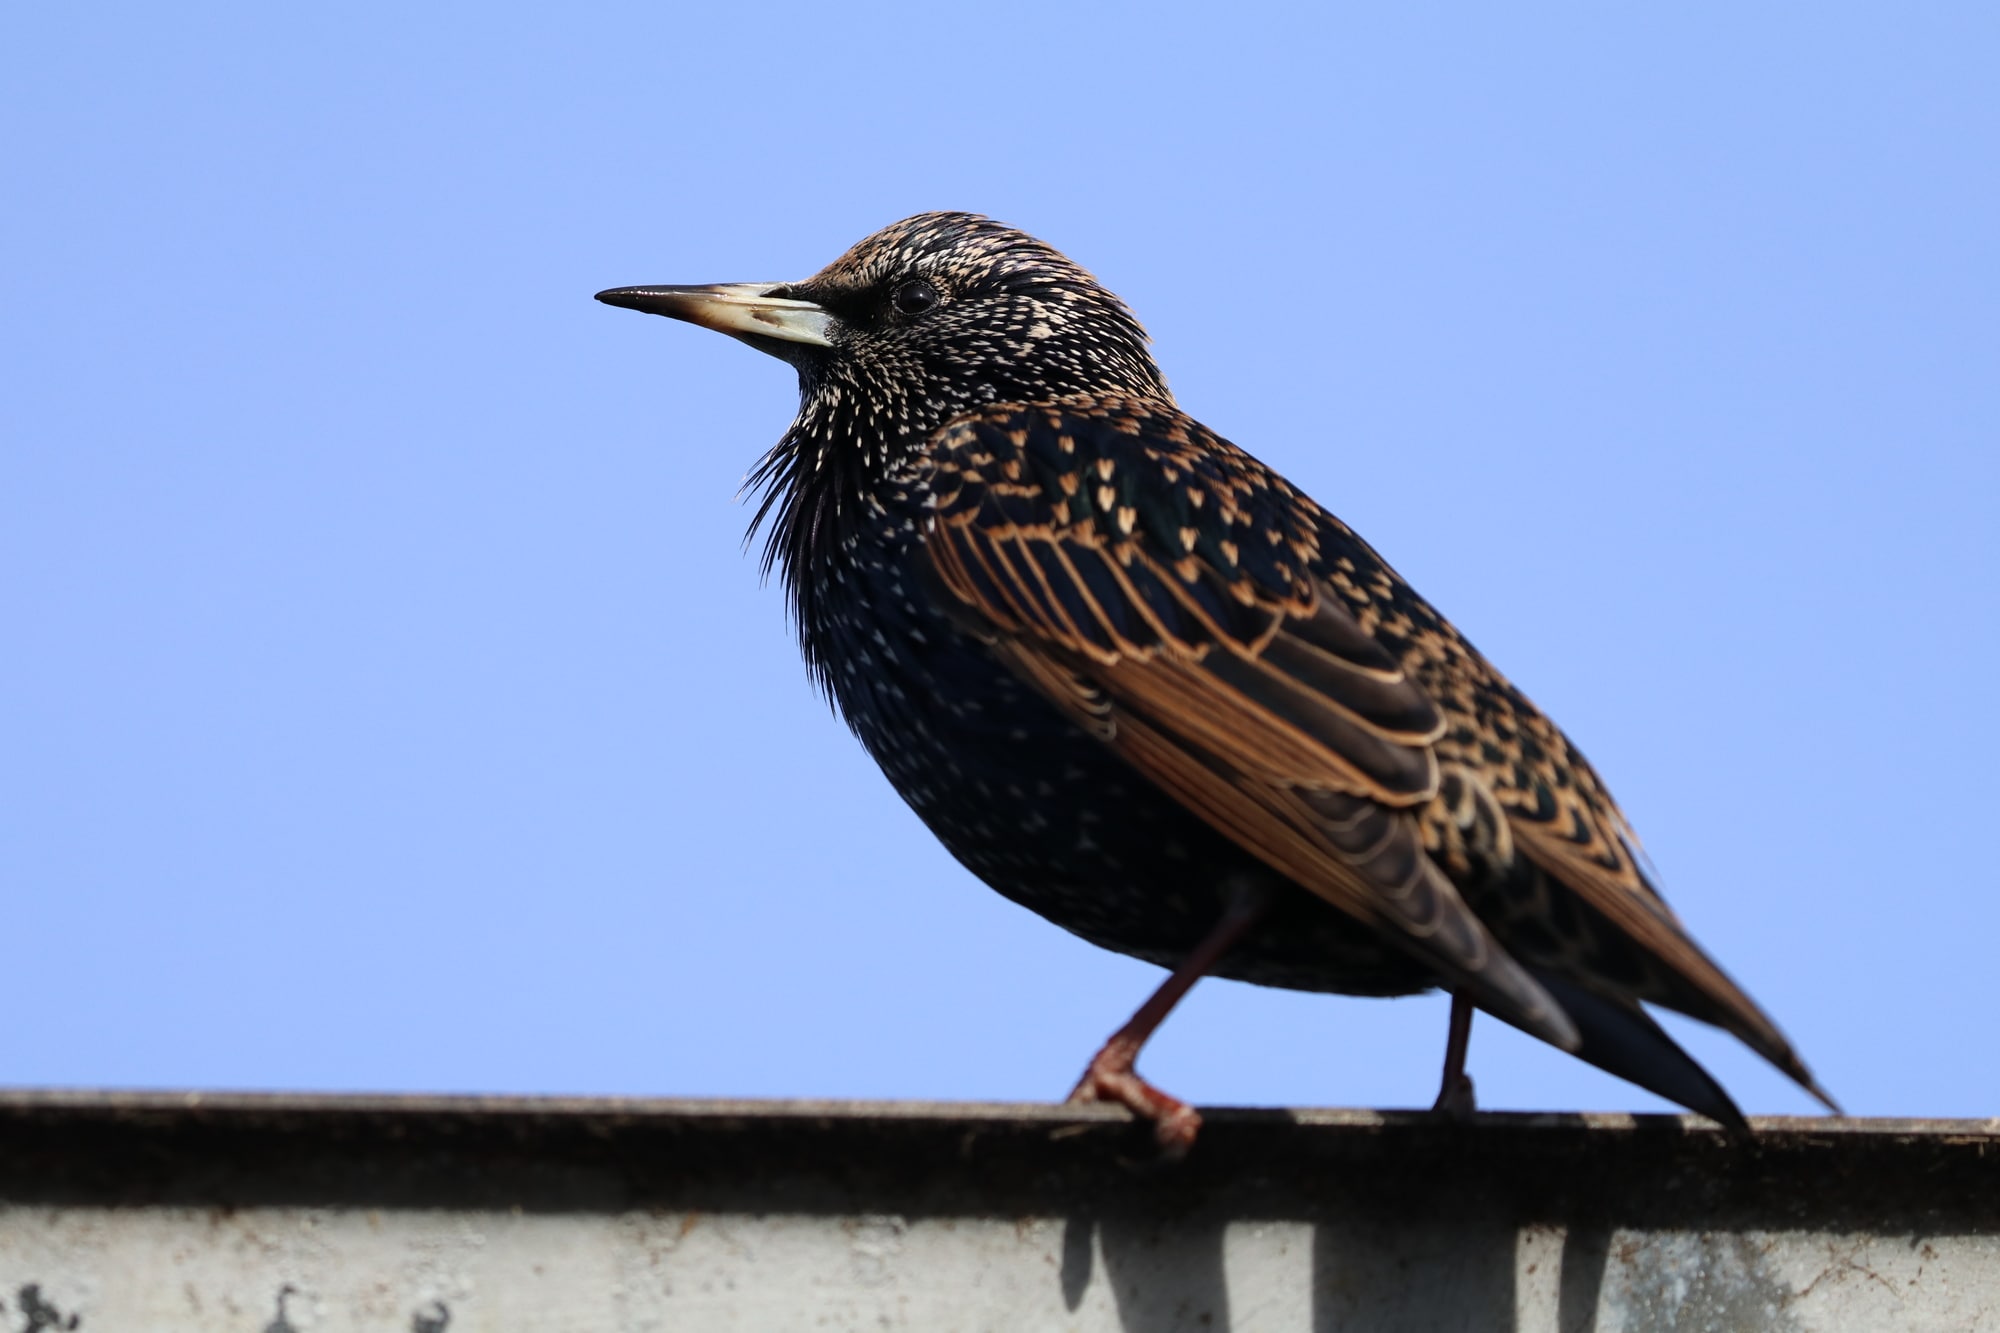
{"points": [[1141, 685]]}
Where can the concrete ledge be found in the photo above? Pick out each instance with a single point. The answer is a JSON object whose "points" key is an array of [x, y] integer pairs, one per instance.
{"points": [[199, 1211]]}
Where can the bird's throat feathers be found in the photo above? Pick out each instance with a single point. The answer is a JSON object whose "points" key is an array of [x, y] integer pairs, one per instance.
{"points": [[850, 438], [941, 315]]}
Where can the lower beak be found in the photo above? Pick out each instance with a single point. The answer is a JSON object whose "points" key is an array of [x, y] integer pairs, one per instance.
{"points": [[745, 310]]}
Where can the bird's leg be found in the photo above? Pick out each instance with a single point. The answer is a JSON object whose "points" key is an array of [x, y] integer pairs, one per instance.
{"points": [[1455, 1097], [1111, 1077]]}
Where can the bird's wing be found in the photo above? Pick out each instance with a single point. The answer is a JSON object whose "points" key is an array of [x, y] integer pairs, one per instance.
{"points": [[1507, 767], [1160, 586], [1576, 835]]}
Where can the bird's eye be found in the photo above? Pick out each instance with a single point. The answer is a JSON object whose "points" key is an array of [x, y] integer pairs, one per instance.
{"points": [[915, 296]]}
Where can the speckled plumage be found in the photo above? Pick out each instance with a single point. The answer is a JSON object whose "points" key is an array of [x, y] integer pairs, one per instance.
{"points": [[1128, 675]]}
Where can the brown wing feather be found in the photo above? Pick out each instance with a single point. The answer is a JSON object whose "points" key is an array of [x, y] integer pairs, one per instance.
{"points": [[1359, 855], [1255, 659], [1263, 709], [1611, 883], [1508, 759]]}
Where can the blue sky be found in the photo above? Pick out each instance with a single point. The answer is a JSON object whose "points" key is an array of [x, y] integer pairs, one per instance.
{"points": [[388, 704]]}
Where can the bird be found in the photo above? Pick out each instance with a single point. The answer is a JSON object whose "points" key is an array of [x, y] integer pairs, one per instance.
{"points": [[1139, 683]]}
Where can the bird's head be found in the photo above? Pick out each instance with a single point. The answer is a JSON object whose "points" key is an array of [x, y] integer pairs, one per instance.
{"points": [[924, 320], [930, 318]]}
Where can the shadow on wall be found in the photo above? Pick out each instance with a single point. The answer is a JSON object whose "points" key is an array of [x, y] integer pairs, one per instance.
{"points": [[1166, 1275]]}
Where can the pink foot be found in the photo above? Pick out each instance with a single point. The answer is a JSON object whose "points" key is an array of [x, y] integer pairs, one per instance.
{"points": [[1111, 1078]]}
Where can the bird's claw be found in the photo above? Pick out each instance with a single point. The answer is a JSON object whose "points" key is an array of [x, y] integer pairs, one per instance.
{"points": [[1111, 1078], [1455, 1100]]}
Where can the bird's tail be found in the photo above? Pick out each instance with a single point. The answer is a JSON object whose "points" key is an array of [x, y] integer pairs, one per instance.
{"points": [[1620, 1038]]}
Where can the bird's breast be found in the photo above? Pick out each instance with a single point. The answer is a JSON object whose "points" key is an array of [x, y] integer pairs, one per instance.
{"points": [[1040, 810]]}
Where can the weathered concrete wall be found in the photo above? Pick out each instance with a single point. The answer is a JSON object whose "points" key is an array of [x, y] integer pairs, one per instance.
{"points": [[285, 1215]]}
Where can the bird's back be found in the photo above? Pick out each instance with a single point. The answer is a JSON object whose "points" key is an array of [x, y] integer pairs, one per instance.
{"points": [[1116, 554]]}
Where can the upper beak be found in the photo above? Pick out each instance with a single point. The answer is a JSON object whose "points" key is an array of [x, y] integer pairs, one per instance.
{"points": [[745, 310]]}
